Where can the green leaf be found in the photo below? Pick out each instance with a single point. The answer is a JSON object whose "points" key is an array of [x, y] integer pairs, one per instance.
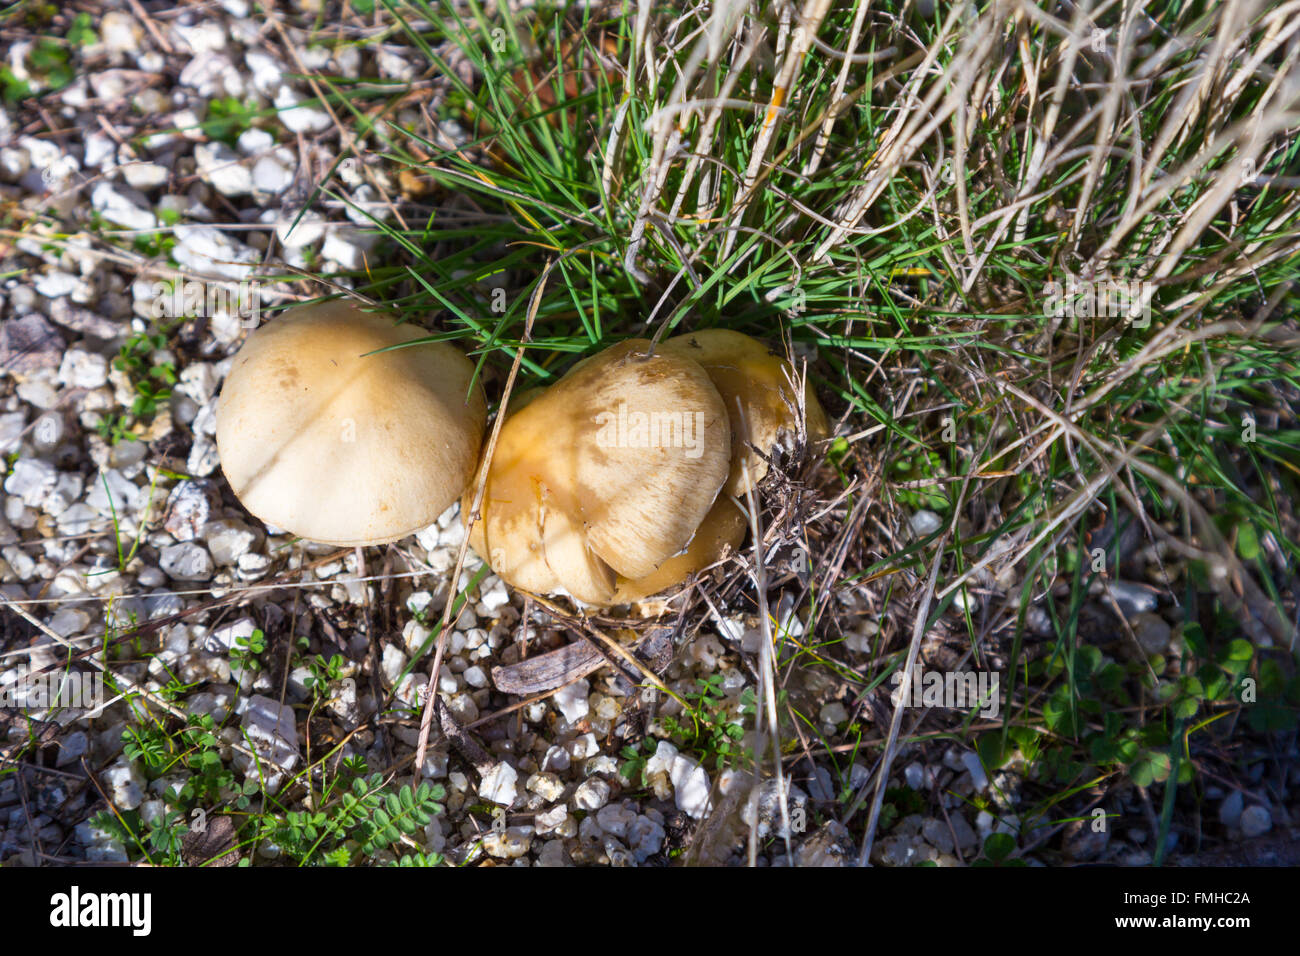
{"points": [[1247, 541], [999, 846]]}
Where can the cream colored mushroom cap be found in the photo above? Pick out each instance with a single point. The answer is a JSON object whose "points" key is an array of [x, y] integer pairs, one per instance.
{"points": [[718, 535], [343, 447], [755, 384], [606, 474]]}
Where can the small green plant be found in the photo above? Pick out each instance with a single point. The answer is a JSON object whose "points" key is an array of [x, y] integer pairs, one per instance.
{"points": [[154, 244], [228, 117], [420, 859], [114, 427], [365, 818], [997, 850], [151, 381], [634, 760], [711, 728], [82, 33], [244, 656], [325, 671], [48, 59]]}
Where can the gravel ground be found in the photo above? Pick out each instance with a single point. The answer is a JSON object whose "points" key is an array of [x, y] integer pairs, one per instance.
{"points": [[139, 538]]}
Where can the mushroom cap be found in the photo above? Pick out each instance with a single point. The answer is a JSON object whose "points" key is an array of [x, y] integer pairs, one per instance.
{"points": [[755, 384], [718, 535], [339, 446], [607, 473]]}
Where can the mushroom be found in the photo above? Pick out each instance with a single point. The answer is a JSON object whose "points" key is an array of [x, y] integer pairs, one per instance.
{"points": [[757, 387], [334, 444], [605, 476]]}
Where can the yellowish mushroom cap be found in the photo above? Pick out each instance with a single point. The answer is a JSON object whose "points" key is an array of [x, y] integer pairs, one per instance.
{"points": [[755, 384], [606, 474], [719, 534], [343, 447]]}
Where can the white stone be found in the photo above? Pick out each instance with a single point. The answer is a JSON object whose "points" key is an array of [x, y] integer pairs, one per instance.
{"points": [[499, 784], [295, 232], [347, 247], [11, 430], [979, 779], [202, 37], [267, 75], [391, 663], [273, 736], [125, 785], [253, 140], [661, 761], [186, 561], [366, 208], [82, 369], [508, 844], [221, 167], [14, 162], [120, 32], [300, 119], [616, 819], [69, 622], [199, 381], [46, 154], [188, 123], [1255, 821], [212, 75], [55, 284], [101, 151], [1231, 808], [645, 838], [145, 175], [572, 700], [207, 249], [551, 819], [67, 489], [926, 523], [833, 714], [270, 175], [548, 786], [556, 759], [109, 86], [228, 540], [690, 786], [32, 480], [393, 66], [119, 209], [77, 519], [222, 640], [120, 496], [591, 795], [580, 748]]}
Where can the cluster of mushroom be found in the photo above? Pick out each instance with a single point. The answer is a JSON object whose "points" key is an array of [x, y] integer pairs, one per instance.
{"points": [[622, 479], [617, 482]]}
